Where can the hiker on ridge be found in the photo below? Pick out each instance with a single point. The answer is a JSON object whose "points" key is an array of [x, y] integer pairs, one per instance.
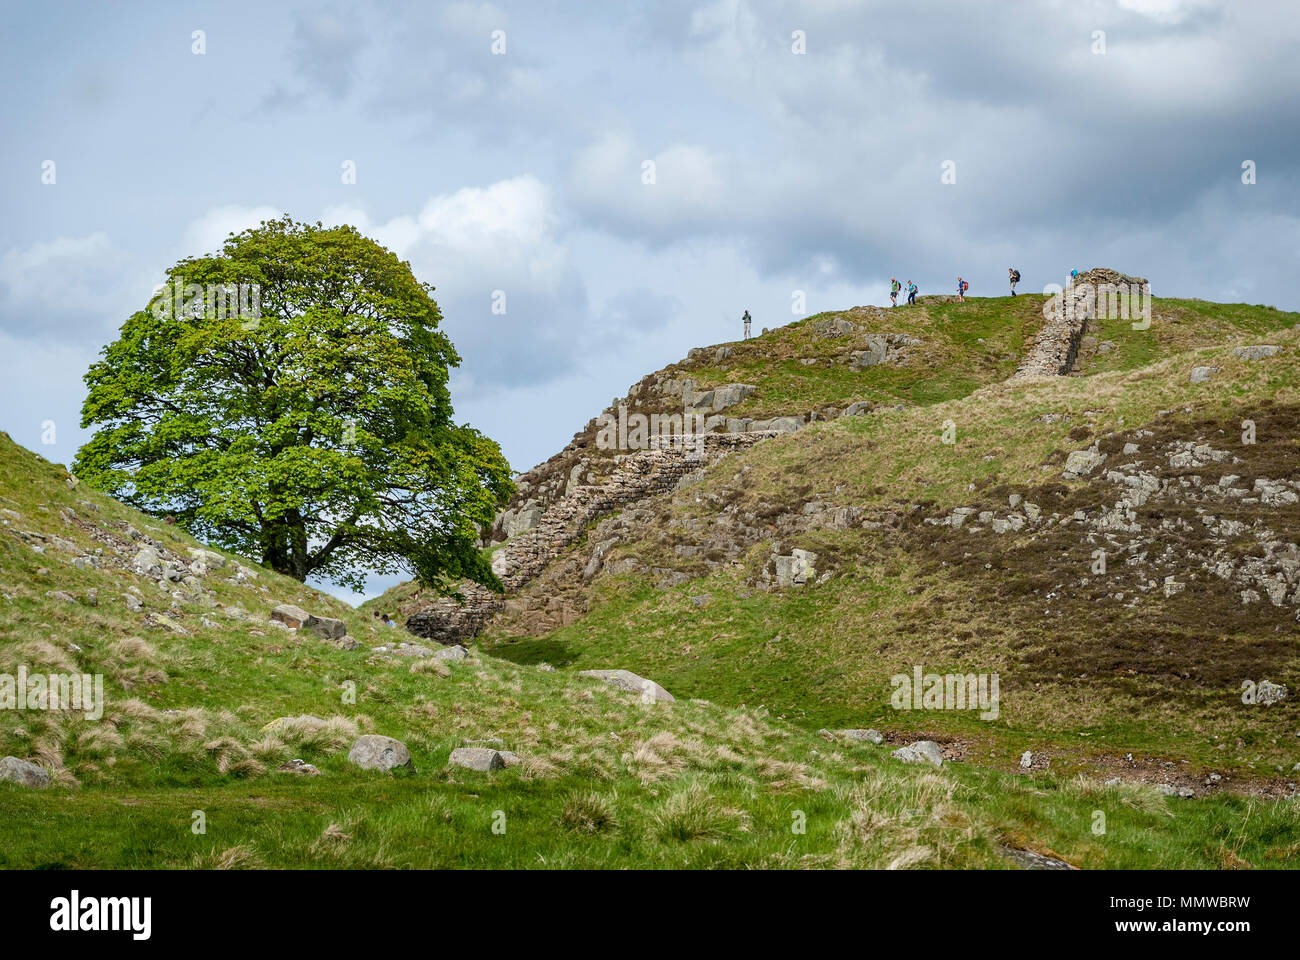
{"points": [[894, 286], [962, 287], [1014, 274], [746, 318], [911, 293]]}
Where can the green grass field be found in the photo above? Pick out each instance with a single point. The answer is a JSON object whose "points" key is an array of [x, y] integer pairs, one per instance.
{"points": [[738, 777]]}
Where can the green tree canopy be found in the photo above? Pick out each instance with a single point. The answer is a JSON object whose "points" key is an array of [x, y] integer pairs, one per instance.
{"points": [[314, 430]]}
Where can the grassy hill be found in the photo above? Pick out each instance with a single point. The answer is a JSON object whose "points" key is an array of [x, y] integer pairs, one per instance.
{"points": [[1093, 668], [199, 683]]}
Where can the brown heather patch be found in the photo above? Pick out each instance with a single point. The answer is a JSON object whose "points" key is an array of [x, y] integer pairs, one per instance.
{"points": [[1200, 639]]}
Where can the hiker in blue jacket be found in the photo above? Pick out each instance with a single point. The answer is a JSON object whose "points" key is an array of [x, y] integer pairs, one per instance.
{"points": [[911, 293]]}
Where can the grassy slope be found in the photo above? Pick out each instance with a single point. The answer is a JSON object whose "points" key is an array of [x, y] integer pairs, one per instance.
{"points": [[888, 609], [607, 782]]}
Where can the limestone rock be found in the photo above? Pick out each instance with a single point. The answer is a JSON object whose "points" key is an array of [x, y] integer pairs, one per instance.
{"points": [[629, 681], [327, 628], [835, 327], [147, 562], [477, 758], [1201, 374], [374, 752], [731, 394], [922, 751], [1080, 463], [291, 616], [209, 558], [871, 736], [796, 569], [1256, 352], [164, 622], [24, 772]]}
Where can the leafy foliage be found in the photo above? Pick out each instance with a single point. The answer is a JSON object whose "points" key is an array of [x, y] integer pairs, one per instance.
{"points": [[317, 436]]}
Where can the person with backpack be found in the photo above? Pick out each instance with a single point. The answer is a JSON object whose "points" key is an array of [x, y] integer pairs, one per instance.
{"points": [[894, 287], [746, 319], [911, 293], [1014, 274], [962, 287]]}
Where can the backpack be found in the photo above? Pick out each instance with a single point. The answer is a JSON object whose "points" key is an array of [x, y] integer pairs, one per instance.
{"points": [[1015, 275], [964, 286]]}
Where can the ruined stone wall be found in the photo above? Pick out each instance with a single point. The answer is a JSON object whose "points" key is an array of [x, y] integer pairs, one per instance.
{"points": [[638, 475], [645, 473], [1057, 345]]}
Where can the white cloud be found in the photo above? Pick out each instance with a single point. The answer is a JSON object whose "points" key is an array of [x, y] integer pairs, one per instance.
{"points": [[67, 289], [207, 233], [692, 185], [474, 242]]}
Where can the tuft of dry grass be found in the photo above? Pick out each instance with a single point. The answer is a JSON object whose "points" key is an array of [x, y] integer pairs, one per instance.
{"points": [[588, 812]]}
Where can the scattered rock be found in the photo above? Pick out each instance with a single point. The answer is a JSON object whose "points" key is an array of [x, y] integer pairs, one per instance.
{"points": [[209, 558], [166, 623], [1257, 352], [292, 617], [871, 736], [147, 563], [1202, 374], [922, 751], [24, 772], [477, 758], [796, 569], [374, 752], [629, 681], [1080, 463], [404, 649]]}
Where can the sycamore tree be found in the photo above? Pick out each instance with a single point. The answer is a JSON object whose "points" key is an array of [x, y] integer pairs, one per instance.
{"points": [[287, 399]]}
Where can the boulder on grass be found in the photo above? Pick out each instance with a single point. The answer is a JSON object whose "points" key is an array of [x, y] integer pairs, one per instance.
{"points": [[374, 752], [477, 758], [24, 773], [292, 617], [922, 751], [629, 681]]}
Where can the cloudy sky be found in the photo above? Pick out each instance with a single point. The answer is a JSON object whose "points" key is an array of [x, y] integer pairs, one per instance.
{"points": [[1077, 133]]}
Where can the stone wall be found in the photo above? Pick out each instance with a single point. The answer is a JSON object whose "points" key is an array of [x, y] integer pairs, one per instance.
{"points": [[1057, 345], [636, 476]]}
